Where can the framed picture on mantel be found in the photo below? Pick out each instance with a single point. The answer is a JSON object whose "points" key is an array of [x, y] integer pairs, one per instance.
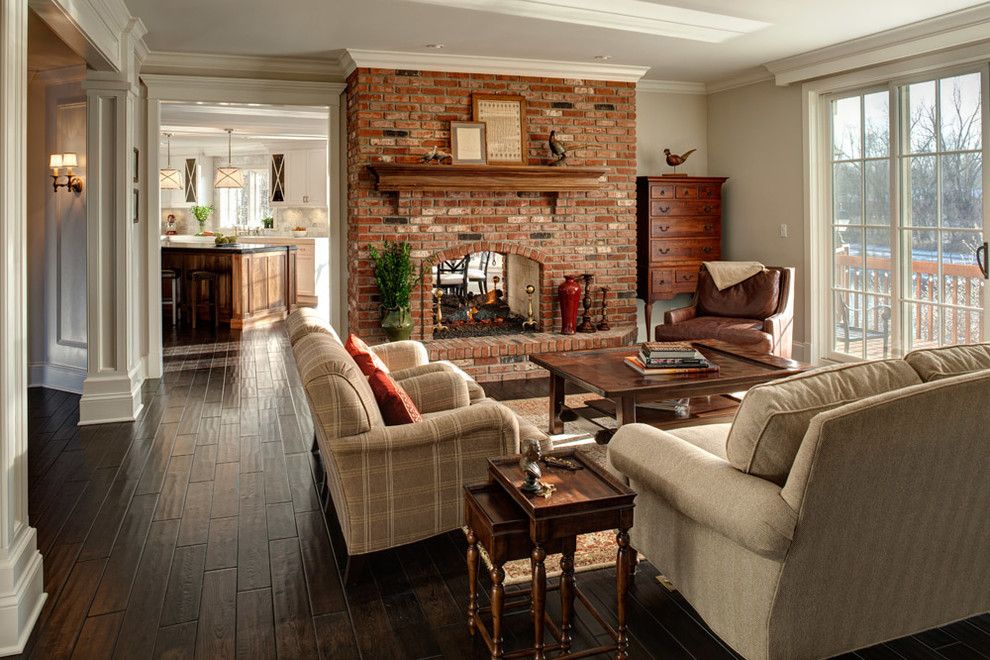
{"points": [[467, 143], [504, 117]]}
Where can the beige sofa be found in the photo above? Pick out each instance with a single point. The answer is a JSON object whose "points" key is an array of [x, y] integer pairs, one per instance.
{"points": [[842, 508], [393, 485]]}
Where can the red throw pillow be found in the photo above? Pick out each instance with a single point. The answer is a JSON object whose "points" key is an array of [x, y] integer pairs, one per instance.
{"points": [[393, 401], [366, 360]]}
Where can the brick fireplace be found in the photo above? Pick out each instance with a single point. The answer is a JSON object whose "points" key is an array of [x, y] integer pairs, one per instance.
{"points": [[397, 115]]}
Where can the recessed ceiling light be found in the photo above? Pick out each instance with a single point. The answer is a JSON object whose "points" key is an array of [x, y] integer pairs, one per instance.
{"points": [[435, 46], [603, 58]]}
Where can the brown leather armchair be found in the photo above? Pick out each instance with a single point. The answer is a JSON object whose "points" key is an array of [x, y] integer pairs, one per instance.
{"points": [[757, 312]]}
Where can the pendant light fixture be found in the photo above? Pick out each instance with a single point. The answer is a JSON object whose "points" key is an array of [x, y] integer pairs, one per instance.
{"points": [[169, 177], [230, 176]]}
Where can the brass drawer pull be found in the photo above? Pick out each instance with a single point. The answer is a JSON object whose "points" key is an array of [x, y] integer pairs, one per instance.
{"points": [[664, 250], [664, 227], [706, 250], [708, 209], [665, 209], [709, 227]]}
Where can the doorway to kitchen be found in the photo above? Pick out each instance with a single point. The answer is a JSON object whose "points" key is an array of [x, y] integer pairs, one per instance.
{"points": [[248, 192]]}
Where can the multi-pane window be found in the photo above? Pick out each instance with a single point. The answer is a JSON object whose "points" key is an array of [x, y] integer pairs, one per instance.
{"points": [[246, 206], [907, 217]]}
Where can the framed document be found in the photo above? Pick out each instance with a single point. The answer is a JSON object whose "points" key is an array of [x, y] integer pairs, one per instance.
{"points": [[467, 143], [504, 117]]}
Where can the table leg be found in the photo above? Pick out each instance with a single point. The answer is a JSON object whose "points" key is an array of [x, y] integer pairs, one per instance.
{"points": [[567, 592], [622, 573], [539, 599], [472, 563], [625, 410], [556, 404], [498, 602]]}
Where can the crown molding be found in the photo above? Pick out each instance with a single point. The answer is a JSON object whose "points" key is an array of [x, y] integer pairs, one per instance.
{"points": [[743, 79], [959, 28], [448, 62], [242, 90], [243, 66], [670, 87]]}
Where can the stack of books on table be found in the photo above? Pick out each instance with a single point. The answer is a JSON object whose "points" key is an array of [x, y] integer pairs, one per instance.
{"points": [[661, 358]]}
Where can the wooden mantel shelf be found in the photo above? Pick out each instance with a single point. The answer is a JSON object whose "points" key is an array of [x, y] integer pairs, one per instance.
{"points": [[405, 177]]}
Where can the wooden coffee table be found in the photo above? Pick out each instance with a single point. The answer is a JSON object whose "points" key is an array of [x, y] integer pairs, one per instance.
{"points": [[511, 524], [604, 372]]}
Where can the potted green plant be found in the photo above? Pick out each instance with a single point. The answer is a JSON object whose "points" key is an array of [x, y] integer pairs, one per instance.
{"points": [[202, 214], [395, 276], [268, 222]]}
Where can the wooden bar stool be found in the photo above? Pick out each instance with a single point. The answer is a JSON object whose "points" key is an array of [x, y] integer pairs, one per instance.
{"points": [[174, 278], [210, 278]]}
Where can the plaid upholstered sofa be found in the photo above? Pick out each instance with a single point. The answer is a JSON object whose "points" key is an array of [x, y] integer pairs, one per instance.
{"points": [[844, 507], [393, 485]]}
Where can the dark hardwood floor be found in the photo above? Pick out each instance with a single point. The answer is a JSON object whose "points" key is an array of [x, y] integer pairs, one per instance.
{"points": [[197, 532]]}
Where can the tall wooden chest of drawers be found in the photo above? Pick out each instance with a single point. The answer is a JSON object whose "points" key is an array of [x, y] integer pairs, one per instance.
{"points": [[679, 225]]}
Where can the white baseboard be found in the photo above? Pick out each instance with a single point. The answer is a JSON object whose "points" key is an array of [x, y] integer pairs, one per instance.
{"points": [[801, 351], [22, 593], [56, 377]]}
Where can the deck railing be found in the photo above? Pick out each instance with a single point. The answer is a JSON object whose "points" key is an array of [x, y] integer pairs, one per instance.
{"points": [[962, 289]]}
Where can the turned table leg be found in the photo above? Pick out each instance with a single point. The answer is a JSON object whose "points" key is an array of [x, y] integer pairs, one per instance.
{"points": [[622, 574], [567, 593], [472, 564], [539, 599], [556, 404], [498, 602]]}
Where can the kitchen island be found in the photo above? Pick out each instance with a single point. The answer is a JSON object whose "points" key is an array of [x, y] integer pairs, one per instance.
{"points": [[255, 284]]}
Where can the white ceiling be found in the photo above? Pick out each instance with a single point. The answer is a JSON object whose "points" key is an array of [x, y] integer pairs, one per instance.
{"points": [[322, 29], [199, 128]]}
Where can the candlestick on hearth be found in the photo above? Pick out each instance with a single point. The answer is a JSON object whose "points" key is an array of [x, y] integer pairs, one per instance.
{"points": [[586, 324], [530, 323], [438, 326], [603, 325]]}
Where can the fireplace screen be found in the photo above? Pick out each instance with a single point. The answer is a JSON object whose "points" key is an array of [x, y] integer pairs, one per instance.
{"points": [[486, 293]]}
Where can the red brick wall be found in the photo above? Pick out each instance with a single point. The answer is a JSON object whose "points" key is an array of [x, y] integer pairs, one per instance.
{"points": [[398, 115]]}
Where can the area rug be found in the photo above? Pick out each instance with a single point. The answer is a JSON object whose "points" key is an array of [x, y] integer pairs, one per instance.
{"points": [[536, 411]]}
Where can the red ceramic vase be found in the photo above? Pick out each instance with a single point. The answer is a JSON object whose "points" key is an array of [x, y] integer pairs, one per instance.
{"points": [[569, 296]]}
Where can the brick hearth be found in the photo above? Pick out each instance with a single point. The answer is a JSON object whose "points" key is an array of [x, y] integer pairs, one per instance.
{"points": [[397, 115]]}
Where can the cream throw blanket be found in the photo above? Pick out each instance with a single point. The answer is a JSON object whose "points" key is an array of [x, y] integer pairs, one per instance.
{"points": [[730, 273]]}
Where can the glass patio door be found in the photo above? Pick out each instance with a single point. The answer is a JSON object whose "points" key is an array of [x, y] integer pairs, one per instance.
{"points": [[908, 217]]}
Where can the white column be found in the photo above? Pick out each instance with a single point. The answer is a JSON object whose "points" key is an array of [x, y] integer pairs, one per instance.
{"points": [[111, 391], [21, 585]]}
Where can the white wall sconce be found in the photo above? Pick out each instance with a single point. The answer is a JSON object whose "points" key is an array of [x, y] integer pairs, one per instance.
{"points": [[72, 182]]}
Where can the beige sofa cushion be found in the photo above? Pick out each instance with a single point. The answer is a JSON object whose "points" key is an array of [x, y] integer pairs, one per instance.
{"points": [[937, 363], [773, 418], [305, 321]]}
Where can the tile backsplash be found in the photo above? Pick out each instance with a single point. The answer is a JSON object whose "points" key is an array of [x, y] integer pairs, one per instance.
{"points": [[286, 218]]}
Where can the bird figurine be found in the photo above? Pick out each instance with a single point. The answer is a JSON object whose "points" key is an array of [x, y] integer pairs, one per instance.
{"points": [[560, 149], [434, 155], [529, 462], [674, 160]]}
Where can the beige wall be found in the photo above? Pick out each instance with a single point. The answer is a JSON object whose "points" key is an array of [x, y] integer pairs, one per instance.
{"points": [[675, 121], [755, 139], [678, 122]]}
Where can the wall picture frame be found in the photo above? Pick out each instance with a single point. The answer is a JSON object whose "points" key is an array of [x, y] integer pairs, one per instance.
{"points": [[468, 144], [504, 116]]}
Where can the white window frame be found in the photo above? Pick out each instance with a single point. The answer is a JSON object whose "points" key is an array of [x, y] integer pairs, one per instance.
{"points": [[816, 105]]}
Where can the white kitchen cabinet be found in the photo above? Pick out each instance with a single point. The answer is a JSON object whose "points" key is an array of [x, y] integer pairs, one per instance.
{"points": [[305, 173]]}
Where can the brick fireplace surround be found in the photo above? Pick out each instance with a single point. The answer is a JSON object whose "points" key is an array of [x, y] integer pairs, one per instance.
{"points": [[397, 115]]}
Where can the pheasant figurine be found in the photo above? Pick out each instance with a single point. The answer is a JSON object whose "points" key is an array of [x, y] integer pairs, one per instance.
{"points": [[674, 160], [560, 149], [434, 155]]}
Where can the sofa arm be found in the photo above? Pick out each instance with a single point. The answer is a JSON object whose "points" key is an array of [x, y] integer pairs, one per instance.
{"points": [[680, 314], [437, 391], [399, 355], [491, 430], [706, 488]]}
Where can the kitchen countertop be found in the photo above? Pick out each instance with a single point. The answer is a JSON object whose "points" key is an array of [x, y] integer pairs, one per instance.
{"points": [[237, 248]]}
